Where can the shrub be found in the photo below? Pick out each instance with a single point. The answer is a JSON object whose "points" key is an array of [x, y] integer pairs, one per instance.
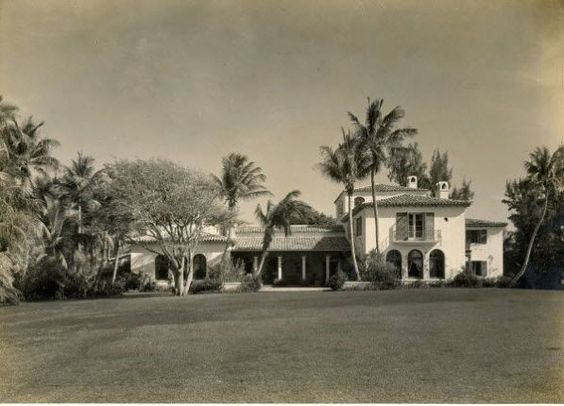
{"points": [[279, 282], [43, 280], [381, 274], [206, 285], [466, 279], [337, 280], [503, 281], [250, 284], [226, 271]]}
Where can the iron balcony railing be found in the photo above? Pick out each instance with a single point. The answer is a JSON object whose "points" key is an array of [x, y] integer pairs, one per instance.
{"points": [[425, 236]]}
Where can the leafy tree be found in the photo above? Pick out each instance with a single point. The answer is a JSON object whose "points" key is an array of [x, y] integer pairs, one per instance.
{"points": [[278, 216], [462, 193], [405, 162], [535, 198], [240, 179], [439, 170], [378, 137], [310, 216], [345, 165], [172, 206]]}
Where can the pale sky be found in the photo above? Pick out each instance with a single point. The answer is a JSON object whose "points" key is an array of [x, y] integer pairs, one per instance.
{"points": [[195, 80]]}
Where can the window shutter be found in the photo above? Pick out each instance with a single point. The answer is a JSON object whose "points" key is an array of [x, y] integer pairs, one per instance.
{"points": [[429, 226], [484, 267], [402, 224], [483, 236]]}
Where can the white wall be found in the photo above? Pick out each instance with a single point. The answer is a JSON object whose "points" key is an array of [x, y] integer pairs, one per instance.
{"points": [[450, 221], [143, 260], [492, 251]]}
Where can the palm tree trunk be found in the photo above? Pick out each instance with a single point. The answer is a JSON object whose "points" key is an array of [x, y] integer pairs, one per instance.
{"points": [[226, 245], [263, 256], [79, 219], [351, 233], [116, 262], [531, 243], [375, 207]]}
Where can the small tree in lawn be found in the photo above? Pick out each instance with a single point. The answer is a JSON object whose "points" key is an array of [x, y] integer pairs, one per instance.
{"points": [[278, 216], [170, 204]]}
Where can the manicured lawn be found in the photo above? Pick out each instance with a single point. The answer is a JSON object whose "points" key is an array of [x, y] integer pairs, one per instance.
{"points": [[427, 345]]}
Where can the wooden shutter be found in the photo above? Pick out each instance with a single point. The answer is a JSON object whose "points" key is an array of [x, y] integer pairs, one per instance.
{"points": [[484, 266], [429, 226], [402, 224], [483, 238]]}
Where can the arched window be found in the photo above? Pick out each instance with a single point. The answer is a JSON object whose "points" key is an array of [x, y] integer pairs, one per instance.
{"points": [[161, 267], [358, 201], [437, 264], [415, 264], [200, 266], [394, 257]]}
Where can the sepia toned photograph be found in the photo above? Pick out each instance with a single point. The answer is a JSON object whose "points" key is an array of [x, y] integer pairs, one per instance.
{"points": [[282, 201]]}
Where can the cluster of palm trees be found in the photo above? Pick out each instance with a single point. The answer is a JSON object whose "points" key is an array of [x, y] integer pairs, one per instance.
{"points": [[47, 211], [241, 179], [362, 153]]}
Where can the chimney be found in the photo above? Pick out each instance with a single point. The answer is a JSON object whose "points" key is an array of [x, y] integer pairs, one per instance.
{"points": [[412, 182], [442, 190]]}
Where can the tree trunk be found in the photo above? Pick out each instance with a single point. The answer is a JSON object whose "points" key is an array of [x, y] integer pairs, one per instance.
{"points": [[531, 243], [179, 280], [189, 275], [263, 256], [79, 219], [375, 207], [226, 245], [351, 232], [116, 262]]}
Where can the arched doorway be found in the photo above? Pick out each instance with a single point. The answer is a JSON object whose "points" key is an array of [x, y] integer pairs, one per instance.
{"points": [[437, 264], [161, 267], [394, 257], [415, 264], [200, 266]]}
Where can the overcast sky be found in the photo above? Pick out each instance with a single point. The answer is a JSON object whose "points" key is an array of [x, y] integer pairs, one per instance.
{"points": [[193, 81]]}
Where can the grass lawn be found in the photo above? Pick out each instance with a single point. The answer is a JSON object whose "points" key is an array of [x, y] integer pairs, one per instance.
{"points": [[425, 345]]}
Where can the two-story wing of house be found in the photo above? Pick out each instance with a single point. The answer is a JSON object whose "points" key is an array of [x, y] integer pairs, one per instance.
{"points": [[427, 237]]}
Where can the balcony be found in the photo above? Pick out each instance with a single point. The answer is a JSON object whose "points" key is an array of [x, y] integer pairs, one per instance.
{"points": [[428, 237]]}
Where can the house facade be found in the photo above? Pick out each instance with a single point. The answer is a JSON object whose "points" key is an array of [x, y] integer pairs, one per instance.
{"points": [[426, 237]]}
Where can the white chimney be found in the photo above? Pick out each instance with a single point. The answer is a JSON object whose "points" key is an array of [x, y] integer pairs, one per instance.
{"points": [[442, 190], [412, 182]]}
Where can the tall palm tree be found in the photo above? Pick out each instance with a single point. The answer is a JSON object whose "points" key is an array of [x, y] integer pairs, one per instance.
{"points": [[344, 165], [379, 137], [278, 216], [546, 170], [240, 180], [78, 183], [29, 154]]}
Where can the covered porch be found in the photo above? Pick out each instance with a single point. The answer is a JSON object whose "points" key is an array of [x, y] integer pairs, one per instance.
{"points": [[291, 268]]}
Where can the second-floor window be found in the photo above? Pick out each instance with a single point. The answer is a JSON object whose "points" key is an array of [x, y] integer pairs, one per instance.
{"points": [[340, 208], [416, 225], [358, 227], [476, 236]]}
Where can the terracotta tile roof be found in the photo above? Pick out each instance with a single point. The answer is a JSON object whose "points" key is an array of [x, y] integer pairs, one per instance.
{"points": [[295, 243], [298, 228], [484, 223], [384, 188], [205, 238], [411, 200]]}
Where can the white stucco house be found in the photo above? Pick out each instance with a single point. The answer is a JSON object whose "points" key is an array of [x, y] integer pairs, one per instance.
{"points": [[427, 237]]}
